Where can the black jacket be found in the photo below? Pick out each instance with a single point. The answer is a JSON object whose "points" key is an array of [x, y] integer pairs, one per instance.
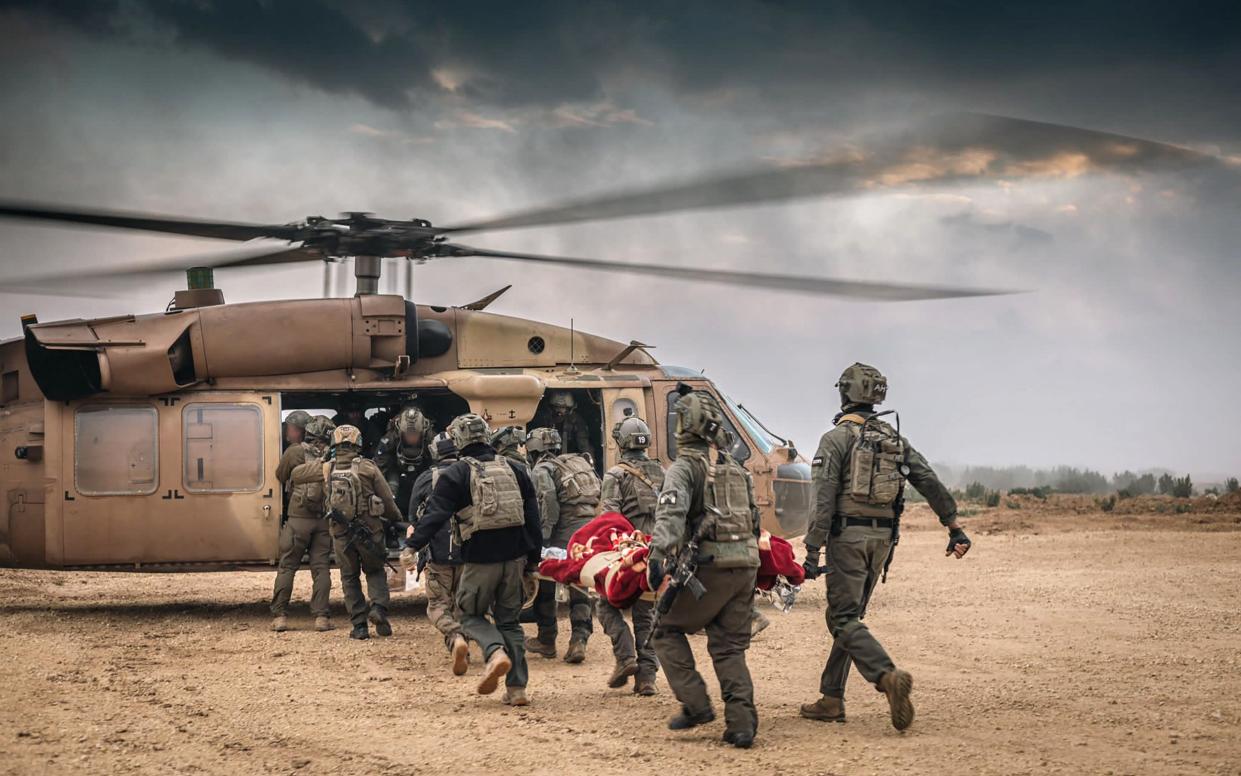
{"points": [[441, 543], [452, 494]]}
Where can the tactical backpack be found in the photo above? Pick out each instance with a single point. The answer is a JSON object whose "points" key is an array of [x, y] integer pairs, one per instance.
{"points": [[307, 491], [576, 481], [877, 468], [345, 493], [495, 497]]}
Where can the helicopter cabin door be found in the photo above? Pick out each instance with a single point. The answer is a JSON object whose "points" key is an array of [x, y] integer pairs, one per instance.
{"points": [[188, 478]]}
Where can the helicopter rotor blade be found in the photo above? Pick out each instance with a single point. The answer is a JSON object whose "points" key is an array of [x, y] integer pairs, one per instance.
{"points": [[262, 254], [119, 219], [853, 289], [946, 150]]}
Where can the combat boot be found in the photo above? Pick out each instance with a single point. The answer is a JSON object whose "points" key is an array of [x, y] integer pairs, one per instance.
{"points": [[897, 684], [576, 652], [515, 696], [382, 626], [360, 632], [758, 623], [495, 670], [620, 675], [460, 654], [687, 719], [280, 623], [324, 623], [825, 709], [644, 686], [537, 646], [742, 739]]}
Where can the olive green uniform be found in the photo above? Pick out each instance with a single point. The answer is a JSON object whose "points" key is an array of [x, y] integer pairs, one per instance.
{"points": [[635, 497], [354, 563], [560, 519], [725, 611], [304, 531], [859, 538]]}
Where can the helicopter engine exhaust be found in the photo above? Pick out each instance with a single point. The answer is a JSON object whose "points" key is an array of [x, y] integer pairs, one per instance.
{"points": [[153, 354]]}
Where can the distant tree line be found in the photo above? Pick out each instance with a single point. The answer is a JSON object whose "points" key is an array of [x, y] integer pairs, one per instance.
{"points": [[984, 484]]}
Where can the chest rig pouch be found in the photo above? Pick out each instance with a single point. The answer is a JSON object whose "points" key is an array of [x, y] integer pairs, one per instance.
{"points": [[643, 489], [730, 542], [576, 481], [495, 496], [877, 467]]}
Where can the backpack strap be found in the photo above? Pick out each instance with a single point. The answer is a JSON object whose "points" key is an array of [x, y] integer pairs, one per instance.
{"points": [[630, 469], [852, 417]]}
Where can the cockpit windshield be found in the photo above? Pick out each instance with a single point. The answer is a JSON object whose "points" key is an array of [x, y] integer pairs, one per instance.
{"points": [[765, 440]]}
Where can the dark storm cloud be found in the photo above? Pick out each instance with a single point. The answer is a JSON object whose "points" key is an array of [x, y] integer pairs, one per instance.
{"points": [[548, 53]]}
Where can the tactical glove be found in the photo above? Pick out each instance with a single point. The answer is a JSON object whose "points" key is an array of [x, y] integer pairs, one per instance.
{"points": [[957, 536], [409, 559], [655, 573], [811, 564]]}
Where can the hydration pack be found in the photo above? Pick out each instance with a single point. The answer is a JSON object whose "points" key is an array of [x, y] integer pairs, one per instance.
{"points": [[877, 469], [495, 496]]}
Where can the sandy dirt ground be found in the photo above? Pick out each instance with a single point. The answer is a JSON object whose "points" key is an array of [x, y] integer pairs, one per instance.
{"points": [[1063, 644]]}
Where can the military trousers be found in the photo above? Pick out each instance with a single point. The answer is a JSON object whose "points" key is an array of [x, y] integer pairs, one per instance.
{"points": [[627, 644], [581, 613], [301, 536], [724, 612], [442, 580], [353, 564], [855, 561], [496, 589]]}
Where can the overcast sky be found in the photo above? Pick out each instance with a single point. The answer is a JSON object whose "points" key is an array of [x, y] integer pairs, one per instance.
{"points": [[1124, 353]]}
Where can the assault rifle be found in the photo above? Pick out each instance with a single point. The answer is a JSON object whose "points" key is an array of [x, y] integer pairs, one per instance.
{"points": [[682, 572], [357, 535]]}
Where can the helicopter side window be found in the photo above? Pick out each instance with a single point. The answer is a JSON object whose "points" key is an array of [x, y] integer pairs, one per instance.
{"points": [[739, 451], [223, 447], [115, 450]]}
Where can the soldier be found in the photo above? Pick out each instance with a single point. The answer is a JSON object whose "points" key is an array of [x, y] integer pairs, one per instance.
{"points": [[304, 530], [859, 473], [493, 514], [632, 489], [357, 499], [508, 442], [561, 414], [568, 493], [708, 495], [441, 559], [295, 428], [403, 453]]}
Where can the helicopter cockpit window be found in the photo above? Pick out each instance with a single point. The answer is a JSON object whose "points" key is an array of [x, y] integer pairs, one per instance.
{"points": [[759, 435], [739, 451], [223, 447], [115, 450]]}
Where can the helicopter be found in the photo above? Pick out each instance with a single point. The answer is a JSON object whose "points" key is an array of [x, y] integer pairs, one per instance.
{"points": [[149, 442]]}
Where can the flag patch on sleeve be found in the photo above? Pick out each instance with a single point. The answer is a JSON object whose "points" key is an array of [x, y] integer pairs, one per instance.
{"points": [[668, 499]]}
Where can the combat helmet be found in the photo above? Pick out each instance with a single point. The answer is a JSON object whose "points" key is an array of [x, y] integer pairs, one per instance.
{"points": [[632, 433], [543, 440], [320, 428], [469, 429], [699, 418], [443, 448], [346, 434], [561, 400], [298, 418], [508, 439], [412, 419], [862, 384]]}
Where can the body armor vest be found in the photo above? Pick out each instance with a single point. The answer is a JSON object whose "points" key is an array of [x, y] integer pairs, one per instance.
{"points": [[495, 496], [731, 542]]}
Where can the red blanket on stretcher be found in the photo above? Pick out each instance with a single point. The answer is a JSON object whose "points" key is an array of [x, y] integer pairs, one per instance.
{"points": [[609, 555]]}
